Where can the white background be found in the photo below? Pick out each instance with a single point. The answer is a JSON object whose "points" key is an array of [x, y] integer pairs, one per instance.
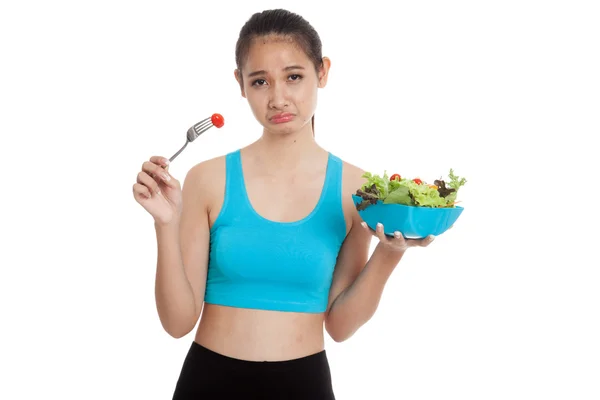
{"points": [[504, 306]]}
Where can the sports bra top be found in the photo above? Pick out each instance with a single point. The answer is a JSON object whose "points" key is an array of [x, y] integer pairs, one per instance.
{"points": [[258, 263]]}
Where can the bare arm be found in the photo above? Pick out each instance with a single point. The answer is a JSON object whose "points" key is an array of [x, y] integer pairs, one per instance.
{"points": [[358, 280], [182, 260], [358, 283]]}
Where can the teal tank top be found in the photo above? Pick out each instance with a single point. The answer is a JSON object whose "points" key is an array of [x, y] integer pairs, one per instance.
{"points": [[262, 264]]}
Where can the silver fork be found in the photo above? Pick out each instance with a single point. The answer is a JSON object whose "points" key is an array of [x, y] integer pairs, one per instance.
{"points": [[200, 128]]}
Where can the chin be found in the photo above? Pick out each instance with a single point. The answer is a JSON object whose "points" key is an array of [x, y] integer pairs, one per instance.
{"points": [[288, 127], [283, 129]]}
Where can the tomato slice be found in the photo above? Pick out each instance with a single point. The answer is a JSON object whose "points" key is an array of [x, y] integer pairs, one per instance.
{"points": [[418, 181], [393, 177]]}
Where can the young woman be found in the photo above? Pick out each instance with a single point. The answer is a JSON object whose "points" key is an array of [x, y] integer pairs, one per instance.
{"points": [[265, 242]]}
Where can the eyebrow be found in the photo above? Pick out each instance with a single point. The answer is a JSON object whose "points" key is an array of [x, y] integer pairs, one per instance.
{"points": [[263, 72]]}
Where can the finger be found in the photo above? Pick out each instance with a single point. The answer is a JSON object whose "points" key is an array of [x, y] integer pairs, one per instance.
{"points": [[146, 180], [380, 233], [426, 241], [367, 228], [158, 173], [398, 235], [168, 180], [151, 168], [162, 162], [140, 191]]}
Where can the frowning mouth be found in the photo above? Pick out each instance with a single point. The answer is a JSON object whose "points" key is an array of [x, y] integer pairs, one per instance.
{"points": [[282, 118]]}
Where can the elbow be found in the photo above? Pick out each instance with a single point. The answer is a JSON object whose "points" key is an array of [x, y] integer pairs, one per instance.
{"points": [[177, 335], [338, 337], [336, 332], [177, 332], [177, 329], [178, 326], [341, 329]]}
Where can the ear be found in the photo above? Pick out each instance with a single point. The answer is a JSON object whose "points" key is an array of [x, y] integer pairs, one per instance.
{"points": [[238, 78], [324, 72]]}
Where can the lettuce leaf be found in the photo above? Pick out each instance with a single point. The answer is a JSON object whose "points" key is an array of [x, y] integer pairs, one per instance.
{"points": [[381, 183], [427, 196], [455, 181], [407, 192], [401, 195]]}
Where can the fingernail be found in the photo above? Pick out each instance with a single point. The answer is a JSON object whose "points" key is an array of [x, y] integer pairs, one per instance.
{"points": [[167, 162], [431, 237], [397, 234], [379, 225], [364, 224], [166, 177]]}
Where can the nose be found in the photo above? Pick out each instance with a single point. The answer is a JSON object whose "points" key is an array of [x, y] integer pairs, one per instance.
{"points": [[278, 96]]}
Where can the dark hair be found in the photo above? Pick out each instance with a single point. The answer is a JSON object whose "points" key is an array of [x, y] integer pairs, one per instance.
{"points": [[282, 23]]}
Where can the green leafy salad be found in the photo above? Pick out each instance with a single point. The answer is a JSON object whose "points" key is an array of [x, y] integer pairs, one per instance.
{"points": [[410, 192]]}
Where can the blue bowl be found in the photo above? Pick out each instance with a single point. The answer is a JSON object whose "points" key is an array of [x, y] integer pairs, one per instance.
{"points": [[412, 221]]}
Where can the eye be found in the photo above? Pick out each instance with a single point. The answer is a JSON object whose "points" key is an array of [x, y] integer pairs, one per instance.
{"points": [[259, 82], [295, 77]]}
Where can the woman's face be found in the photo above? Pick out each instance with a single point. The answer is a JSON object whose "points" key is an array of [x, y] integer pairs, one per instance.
{"points": [[280, 83]]}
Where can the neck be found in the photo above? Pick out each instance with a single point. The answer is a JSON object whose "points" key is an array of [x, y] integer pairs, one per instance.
{"points": [[287, 151]]}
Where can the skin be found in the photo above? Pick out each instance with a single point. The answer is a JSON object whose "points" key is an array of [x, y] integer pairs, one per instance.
{"points": [[288, 157]]}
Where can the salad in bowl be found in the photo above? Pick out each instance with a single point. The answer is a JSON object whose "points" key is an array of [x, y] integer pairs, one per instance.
{"points": [[411, 206]]}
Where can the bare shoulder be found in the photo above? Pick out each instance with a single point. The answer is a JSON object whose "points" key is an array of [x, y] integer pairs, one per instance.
{"points": [[203, 175], [206, 182], [352, 179]]}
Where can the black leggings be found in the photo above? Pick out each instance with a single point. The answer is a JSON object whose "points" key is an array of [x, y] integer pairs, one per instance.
{"points": [[208, 375]]}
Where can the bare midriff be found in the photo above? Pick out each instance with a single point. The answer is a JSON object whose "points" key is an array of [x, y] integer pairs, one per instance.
{"points": [[260, 335]]}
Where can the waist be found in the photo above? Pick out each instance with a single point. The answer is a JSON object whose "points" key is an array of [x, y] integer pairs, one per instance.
{"points": [[260, 335]]}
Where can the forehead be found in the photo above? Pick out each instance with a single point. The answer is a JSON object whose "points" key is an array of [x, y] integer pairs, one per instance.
{"points": [[272, 53]]}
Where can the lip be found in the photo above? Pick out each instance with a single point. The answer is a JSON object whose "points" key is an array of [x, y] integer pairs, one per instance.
{"points": [[281, 118]]}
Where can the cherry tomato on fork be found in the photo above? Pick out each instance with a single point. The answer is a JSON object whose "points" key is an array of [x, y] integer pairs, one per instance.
{"points": [[393, 177], [217, 120]]}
